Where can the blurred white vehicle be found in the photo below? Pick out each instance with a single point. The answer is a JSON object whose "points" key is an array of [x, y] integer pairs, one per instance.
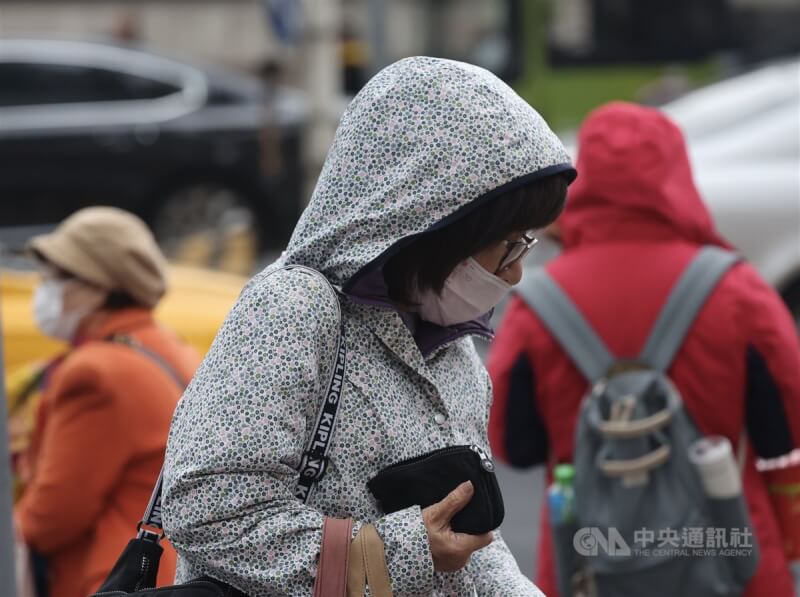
{"points": [[744, 141]]}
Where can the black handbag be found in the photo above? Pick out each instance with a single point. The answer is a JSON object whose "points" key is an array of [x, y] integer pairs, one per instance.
{"points": [[137, 568], [427, 479], [135, 571]]}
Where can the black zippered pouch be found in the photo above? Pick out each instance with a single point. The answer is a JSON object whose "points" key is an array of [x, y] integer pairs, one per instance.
{"points": [[427, 479]]}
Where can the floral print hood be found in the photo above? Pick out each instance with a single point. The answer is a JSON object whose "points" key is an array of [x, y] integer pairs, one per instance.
{"points": [[425, 141]]}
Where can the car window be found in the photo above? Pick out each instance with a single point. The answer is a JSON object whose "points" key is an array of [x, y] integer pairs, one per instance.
{"points": [[26, 84]]}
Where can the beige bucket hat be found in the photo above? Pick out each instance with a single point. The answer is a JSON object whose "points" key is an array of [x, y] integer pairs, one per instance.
{"points": [[110, 248]]}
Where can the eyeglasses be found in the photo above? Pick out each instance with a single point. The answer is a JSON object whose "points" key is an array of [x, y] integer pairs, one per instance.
{"points": [[516, 250]]}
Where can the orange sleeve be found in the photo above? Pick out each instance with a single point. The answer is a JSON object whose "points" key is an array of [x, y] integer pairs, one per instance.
{"points": [[81, 456]]}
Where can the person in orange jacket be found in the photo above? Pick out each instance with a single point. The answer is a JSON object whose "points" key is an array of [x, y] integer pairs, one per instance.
{"points": [[107, 404]]}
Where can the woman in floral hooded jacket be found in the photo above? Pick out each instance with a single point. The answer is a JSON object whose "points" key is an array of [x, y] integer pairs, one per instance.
{"points": [[433, 163]]}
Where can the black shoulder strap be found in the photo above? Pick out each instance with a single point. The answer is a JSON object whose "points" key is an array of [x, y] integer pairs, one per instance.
{"points": [[315, 458]]}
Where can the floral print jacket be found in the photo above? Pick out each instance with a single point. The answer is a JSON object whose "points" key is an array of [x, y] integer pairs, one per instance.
{"points": [[424, 142]]}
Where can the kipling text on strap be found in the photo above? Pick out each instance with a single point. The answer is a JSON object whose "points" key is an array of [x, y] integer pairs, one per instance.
{"points": [[137, 566], [315, 458]]}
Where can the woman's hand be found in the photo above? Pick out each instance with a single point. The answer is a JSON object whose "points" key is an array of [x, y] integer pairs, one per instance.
{"points": [[451, 550]]}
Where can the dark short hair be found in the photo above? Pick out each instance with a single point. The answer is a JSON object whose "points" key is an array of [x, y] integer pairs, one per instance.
{"points": [[430, 258]]}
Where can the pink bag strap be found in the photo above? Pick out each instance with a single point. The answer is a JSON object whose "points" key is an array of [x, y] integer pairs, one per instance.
{"points": [[333, 558]]}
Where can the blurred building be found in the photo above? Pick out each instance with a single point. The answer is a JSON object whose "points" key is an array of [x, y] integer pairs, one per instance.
{"points": [[625, 31], [241, 34], [232, 33], [483, 32]]}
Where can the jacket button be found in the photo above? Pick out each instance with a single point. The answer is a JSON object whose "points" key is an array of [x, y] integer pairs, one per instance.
{"points": [[440, 419]]}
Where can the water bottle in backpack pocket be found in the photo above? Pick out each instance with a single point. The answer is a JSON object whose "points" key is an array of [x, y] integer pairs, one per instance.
{"points": [[572, 573]]}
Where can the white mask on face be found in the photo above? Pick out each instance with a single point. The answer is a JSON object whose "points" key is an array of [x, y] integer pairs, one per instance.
{"points": [[469, 292], [48, 308]]}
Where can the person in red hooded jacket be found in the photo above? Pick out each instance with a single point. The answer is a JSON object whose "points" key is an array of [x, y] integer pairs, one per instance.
{"points": [[633, 221]]}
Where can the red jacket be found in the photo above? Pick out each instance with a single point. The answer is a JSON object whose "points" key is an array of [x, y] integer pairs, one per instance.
{"points": [[633, 222], [107, 413]]}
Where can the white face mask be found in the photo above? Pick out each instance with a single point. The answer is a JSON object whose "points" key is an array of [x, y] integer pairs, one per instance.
{"points": [[48, 308], [469, 292]]}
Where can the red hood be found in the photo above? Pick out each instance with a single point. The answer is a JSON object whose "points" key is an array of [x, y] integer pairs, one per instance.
{"points": [[634, 182]]}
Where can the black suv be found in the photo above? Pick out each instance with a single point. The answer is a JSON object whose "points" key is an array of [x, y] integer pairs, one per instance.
{"points": [[210, 159]]}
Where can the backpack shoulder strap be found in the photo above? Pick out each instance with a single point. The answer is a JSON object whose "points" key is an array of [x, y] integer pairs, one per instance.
{"points": [[683, 304], [560, 315]]}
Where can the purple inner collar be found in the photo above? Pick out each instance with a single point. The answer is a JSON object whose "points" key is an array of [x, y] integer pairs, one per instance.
{"points": [[370, 289]]}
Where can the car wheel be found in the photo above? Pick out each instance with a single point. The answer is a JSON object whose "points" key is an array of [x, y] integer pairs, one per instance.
{"points": [[208, 225]]}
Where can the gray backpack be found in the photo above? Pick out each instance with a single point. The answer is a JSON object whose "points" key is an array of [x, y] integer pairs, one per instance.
{"points": [[643, 523]]}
